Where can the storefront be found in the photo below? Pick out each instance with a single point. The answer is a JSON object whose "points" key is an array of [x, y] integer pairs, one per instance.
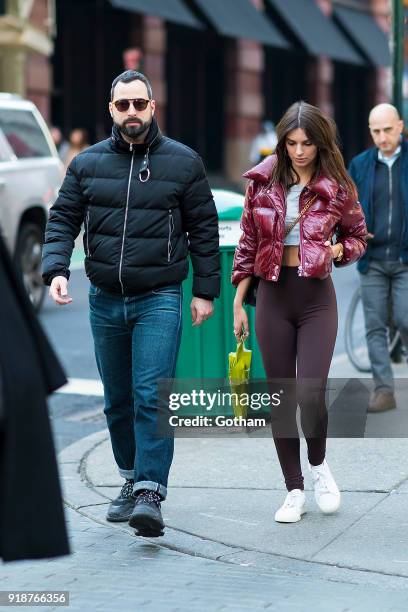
{"points": [[355, 89], [323, 68], [217, 68]]}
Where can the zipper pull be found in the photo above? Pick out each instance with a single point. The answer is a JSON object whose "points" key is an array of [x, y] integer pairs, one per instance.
{"points": [[131, 147], [171, 227]]}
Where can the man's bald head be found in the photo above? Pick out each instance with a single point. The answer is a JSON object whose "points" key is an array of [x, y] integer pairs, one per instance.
{"points": [[386, 128], [383, 112]]}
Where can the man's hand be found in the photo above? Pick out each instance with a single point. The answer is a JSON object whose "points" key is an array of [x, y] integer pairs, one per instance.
{"points": [[59, 291], [201, 310]]}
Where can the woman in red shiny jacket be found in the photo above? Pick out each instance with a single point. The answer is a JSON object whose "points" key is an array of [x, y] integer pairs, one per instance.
{"points": [[296, 312]]}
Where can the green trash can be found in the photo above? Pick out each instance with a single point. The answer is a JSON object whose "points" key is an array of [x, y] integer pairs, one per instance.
{"points": [[204, 350]]}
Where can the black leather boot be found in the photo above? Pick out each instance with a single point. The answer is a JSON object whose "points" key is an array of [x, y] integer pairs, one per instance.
{"points": [[121, 508], [146, 516]]}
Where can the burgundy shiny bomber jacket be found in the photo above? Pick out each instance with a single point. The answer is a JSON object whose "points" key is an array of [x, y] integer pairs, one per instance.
{"points": [[260, 248]]}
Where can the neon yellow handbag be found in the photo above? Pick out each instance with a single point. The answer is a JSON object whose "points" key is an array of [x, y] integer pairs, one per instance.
{"points": [[239, 369]]}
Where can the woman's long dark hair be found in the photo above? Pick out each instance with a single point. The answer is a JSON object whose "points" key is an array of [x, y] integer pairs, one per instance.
{"points": [[322, 132]]}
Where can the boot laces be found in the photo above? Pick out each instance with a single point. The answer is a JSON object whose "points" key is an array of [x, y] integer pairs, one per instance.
{"points": [[323, 481], [127, 489], [149, 497], [291, 500]]}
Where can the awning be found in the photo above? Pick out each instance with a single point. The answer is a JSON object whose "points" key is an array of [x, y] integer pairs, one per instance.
{"points": [[316, 32], [170, 10], [240, 19], [365, 33]]}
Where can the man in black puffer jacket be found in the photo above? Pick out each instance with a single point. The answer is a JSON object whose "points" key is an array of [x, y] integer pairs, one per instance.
{"points": [[145, 203]]}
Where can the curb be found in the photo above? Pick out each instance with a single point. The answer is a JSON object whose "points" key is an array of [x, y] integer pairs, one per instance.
{"points": [[79, 495]]}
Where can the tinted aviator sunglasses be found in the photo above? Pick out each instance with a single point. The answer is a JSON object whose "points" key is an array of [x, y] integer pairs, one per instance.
{"points": [[139, 104]]}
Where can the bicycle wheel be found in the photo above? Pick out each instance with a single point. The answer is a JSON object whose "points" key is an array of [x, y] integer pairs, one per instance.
{"points": [[395, 346], [355, 337]]}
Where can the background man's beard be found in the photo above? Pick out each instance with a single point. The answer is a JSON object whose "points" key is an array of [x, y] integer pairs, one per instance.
{"points": [[133, 131]]}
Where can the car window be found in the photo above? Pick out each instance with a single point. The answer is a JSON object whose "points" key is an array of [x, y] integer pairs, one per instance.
{"points": [[23, 133], [3, 156]]}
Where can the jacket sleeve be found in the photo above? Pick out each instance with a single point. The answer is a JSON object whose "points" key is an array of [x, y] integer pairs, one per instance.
{"points": [[64, 224], [352, 170], [200, 220], [351, 230], [245, 252]]}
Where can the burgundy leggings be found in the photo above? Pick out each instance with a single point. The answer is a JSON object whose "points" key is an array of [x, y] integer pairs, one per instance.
{"points": [[296, 323]]}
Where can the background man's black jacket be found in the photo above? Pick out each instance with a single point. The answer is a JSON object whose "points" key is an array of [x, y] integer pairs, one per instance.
{"points": [[136, 230]]}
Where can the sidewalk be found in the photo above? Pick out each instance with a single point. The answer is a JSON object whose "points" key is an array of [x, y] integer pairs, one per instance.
{"points": [[224, 491], [222, 550]]}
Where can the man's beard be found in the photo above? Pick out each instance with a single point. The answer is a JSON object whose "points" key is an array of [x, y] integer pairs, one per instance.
{"points": [[134, 131]]}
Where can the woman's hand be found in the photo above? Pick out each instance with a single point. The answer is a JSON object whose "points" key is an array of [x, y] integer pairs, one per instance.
{"points": [[336, 249], [241, 327]]}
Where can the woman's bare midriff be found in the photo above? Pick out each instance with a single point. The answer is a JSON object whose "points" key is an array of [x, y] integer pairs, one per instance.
{"points": [[291, 256]]}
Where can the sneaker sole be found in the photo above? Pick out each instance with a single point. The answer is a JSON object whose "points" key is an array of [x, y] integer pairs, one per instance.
{"points": [[146, 524], [119, 519], [296, 521], [374, 411], [149, 534], [327, 512]]}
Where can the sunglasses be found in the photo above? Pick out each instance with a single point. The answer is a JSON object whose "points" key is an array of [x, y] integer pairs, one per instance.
{"points": [[139, 104]]}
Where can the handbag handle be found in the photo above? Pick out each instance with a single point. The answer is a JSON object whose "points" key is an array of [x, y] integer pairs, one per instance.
{"points": [[300, 215]]}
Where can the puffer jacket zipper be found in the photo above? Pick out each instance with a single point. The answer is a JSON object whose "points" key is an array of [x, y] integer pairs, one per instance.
{"points": [[88, 252], [387, 252], [126, 216], [401, 238], [171, 229]]}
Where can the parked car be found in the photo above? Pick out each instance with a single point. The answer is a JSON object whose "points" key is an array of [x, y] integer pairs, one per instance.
{"points": [[31, 174]]}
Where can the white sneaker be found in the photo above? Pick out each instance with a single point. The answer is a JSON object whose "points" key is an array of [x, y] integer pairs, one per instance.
{"points": [[293, 507], [327, 494]]}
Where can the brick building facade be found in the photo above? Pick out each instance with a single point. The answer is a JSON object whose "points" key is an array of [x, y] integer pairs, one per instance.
{"points": [[212, 85]]}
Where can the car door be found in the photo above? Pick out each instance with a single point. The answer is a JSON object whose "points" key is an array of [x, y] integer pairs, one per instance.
{"points": [[32, 177], [7, 217]]}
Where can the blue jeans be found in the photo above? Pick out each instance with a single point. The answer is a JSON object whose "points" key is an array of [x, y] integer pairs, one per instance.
{"points": [[384, 280], [137, 340]]}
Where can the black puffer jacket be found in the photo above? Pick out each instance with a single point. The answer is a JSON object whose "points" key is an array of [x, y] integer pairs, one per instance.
{"points": [[137, 202]]}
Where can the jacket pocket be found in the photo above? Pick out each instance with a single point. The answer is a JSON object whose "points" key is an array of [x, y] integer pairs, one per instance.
{"points": [[94, 290], [88, 252], [170, 234], [265, 221], [170, 290]]}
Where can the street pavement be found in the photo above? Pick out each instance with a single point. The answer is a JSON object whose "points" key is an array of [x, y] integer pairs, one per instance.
{"points": [[222, 550]]}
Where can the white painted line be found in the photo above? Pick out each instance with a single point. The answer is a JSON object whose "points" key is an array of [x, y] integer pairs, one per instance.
{"points": [[83, 386], [78, 265], [340, 359], [231, 520]]}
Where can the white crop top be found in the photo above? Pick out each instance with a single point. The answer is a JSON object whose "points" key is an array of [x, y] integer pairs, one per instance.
{"points": [[292, 211]]}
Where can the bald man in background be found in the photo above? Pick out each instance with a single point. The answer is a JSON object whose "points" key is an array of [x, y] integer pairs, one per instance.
{"points": [[381, 176]]}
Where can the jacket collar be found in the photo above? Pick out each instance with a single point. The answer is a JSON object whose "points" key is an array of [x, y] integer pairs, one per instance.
{"points": [[373, 151], [321, 185], [262, 171], [324, 186], [153, 138]]}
